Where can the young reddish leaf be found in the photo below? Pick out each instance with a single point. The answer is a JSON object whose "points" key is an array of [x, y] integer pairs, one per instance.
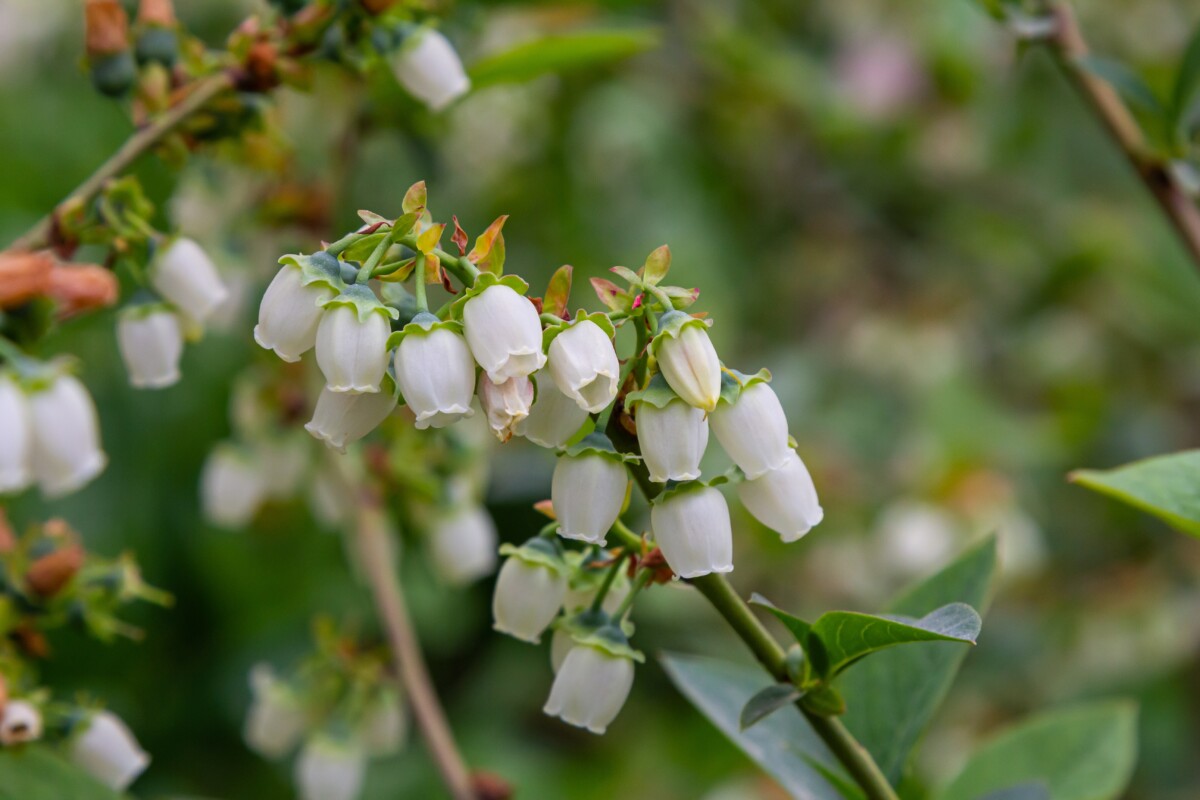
{"points": [[433, 269], [415, 198], [559, 291], [611, 295], [428, 240], [657, 264], [371, 218], [546, 508], [681, 297], [628, 274], [488, 252], [459, 238]]}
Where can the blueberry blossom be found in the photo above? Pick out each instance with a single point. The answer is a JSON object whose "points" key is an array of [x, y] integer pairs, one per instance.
{"points": [[502, 328], [430, 69], [672, 434], [66, 436], [687, 359], [16, 437], [588, 488], [691, 526], [232, 487], [750, 424], [593, 681], [463, 545], [150, 339], [184, 274], [554, 418], [340, 419], [327, 769], [505, 404], [583, 363], [20, 722], [276, 720], [784, 499], [435, 371], [292, 306], [106, 750], [352, 341], [530, 589]]}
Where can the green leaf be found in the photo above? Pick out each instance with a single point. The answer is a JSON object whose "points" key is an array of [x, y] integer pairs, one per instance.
{"points": [[1186, 79], [415, 198], [1125, 81], [656, 266], [766, 702], [1081, 753], [36, 772], [784, 745], [891, 696], [1166, 486], [798, 627], [1033, 790], [824, 701], [560, 53], [611, 295], [558, 292]]}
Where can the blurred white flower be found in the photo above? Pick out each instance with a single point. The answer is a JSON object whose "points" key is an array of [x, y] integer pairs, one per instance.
{"points": [[151, 343], [106, 750], [66, 436], [185, 276], [21, 722], [275, 721], [430, 69], [340, 419], [528, 597], [232, 487], [16, 437], [914, 538], [463, 545], [329, 770], [384, 728]]}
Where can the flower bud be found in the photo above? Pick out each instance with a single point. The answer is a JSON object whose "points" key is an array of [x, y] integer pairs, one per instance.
{"points": [[329, 770], [590, 688], [16, 437], [48, 574], [505, 404], [688, 360], [82, 287], [504, 333], [151, 343], [232, 487], [352, 347], [340, 419], [588, 491], [291, 308], [753, 430], [275, 720], [20, 722], [435, 372], [529, 594], [107, 751], [183, 273], [673, 439], [463, 545], [384, 727], [692, 528], [784, 499], [431, 70], [554, 418], [66, 439], [584, 365]]}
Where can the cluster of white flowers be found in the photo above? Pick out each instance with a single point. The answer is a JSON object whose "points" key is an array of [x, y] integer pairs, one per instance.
{"points": [[100, 744]]}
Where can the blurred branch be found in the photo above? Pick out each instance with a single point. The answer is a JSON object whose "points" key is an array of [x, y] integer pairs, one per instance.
{"points": [[204, 90], [1069, 48]]}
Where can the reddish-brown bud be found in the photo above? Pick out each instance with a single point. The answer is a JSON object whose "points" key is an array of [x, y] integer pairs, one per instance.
{"points": [[23, 276], [156, 12], [82, 287], [106, 28], [49, 574], [489, 786]]}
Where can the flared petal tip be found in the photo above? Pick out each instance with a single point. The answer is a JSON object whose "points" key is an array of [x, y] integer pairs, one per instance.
{"points": [[590, 538], [698, 573], [679, 477], [85, 471], [262, 341], [443, 418], [535, 639], [157, 382], [325, 438], [353, 388]]}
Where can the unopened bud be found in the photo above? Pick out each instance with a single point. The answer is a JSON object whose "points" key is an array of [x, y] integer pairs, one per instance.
{"points": [[106, 30], [21, 722], [49, 574], [23, 276], [81, 287], [156, 12]]}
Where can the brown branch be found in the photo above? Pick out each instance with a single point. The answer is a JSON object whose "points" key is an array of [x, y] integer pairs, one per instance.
{"points": [[1069, 47]]}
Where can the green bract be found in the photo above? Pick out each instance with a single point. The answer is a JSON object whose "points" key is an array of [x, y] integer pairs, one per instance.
{"points": [[601, 445], [316, 268], [733, 383], [612, 640], [541, 551], [657, 393], [485, 281], [670, 325], [598, 317], [422, 324], [362, 300], [682, 487]]}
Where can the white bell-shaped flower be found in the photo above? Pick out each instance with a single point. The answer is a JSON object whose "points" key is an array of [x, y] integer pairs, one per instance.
{"points": [[352, 348], [151, 343], [587, 491], [463, 545], [291, 308], [435, 372], [330, 770], [66, 436], [753, 429], [505, 404], [276, 720], [554, 417], [528, 597], [590, 688], [561, 643], [20, 722], [504, 333], [673, 439], [584, 365], [688, 360], [16, 437], [232, 487], [384, 728], [107, 751], [430, 69], [184, 274], [691, 526], [784, 499], [340, 419]]}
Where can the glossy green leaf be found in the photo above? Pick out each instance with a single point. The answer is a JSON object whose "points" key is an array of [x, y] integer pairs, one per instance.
{"points": [[891, 696], [766, 702], [796, 626], [1165, 486], [556, 54], [1126, 82], [784, 745], [849, 635], [1081, 753], [36, 772]]}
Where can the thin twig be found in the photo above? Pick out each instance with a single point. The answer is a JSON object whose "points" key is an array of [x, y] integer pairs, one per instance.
{"points": [[134, 147], [1069, 47]]}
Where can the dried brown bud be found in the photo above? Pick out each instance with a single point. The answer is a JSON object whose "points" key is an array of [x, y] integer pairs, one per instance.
{"points": [[156, 12], [31, 640], [106, 28], [260, 66], [489, 786], [23, 276], [50, 573], [82, 287]]}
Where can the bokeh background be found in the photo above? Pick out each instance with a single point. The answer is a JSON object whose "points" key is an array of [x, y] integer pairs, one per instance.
{"points": [[962, 291]]}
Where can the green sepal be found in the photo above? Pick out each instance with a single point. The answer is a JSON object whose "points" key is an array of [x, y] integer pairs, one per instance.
{"points": [[539, 551], [360, 297], [361, 249], [733, 383], [485, 281], [598, 317], [35, 375], [423, 324], [143, 305], [612, 640], [657, 393], [675, 488], [316, 268], [671, 325], [598, 444]]}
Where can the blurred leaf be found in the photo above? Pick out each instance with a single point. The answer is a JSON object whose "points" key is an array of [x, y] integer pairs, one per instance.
{"points": [[36, 772], [769, 700], [824, 701], [558, 292], [611, 295], [656, 266], [1186, 79], [1126, 82], [1165, 486], [1033, 790], [459, 237], [891, 697], [415, 198], [488, 252], [784, 744], [555, 54], [1082, 753]]}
